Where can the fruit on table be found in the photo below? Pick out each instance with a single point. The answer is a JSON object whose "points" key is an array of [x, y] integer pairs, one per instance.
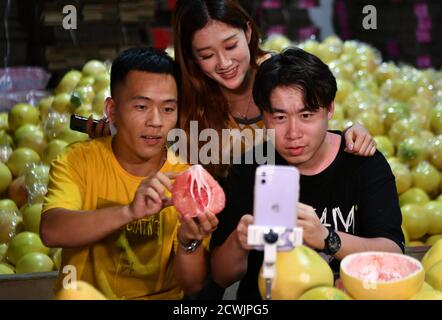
{"points": [[435, 151], [433, 239], [55, 254], [414, 195], [94, 68], [6, 268], [3, 249], [384, 145], [297, 271], [412, 151], [22, 114], [8, 205], [10, 225], [324, 293], [23, 243], [406, 236], [372, 122], [426, 177], [5, 177], [403, 177], [71, 136], [17, 191], [381, 276], [195, 192], [433, 255], [69, 82], [32, 217], [44, 105], [402, 129], [20, 158], [52, 150], [4, 121], [427, 293], [434, 276], [394, 111], [102, 82], [34, 262], [434, 209], [30, 136], [436, 119], [415, 219], [62, 103], [81, 290]]}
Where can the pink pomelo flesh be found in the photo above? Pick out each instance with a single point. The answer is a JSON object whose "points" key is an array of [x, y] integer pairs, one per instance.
{"points": [[195, 191], [381, 268]]}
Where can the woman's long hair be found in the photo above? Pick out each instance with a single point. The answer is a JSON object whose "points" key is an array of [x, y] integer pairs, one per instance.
{"points": [[201, 98]]}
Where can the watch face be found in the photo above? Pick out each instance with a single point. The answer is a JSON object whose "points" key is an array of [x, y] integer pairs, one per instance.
{"points": [[333, 242]]}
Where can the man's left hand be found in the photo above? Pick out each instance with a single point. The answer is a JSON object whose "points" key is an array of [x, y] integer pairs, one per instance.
{"points": [[314, 232]]}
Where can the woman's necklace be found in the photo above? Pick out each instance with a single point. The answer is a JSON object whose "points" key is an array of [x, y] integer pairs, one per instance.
{"points": [[244, 115]]}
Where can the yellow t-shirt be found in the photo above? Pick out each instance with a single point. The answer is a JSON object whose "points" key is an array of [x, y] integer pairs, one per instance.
{"points": [[134, 262]]}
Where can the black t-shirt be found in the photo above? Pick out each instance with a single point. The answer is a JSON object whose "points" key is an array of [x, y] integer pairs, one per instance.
{"points": [[356, 195]]}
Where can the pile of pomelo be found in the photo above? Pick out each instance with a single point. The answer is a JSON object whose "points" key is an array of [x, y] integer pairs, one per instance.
{"points": [[30, 138]]}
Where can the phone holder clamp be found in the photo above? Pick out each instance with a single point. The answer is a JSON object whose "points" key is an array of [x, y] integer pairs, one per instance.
{"points": [[272, 239]]}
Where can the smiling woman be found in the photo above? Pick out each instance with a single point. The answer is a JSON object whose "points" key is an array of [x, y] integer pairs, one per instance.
{"points": [[216, 44]]}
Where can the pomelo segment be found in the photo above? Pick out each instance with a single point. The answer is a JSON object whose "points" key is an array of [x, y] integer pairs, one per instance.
{"points": [[195, 191], [381, 276]]}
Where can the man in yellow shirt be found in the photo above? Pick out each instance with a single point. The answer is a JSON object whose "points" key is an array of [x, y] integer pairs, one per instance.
{"points": [[108, 203]]}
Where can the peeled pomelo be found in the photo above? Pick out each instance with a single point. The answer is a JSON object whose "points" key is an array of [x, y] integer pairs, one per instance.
{"points": [[324, 293], [195, 192], [296, 272], [381, 276]]}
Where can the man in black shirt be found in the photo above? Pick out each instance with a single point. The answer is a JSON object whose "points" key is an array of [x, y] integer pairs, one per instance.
{"points": [[348, 203]]}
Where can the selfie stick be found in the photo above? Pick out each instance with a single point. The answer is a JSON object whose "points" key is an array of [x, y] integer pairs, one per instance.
{"points": [[272, 238]]}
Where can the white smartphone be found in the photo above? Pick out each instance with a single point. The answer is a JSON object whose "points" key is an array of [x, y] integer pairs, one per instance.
{"points": [[276, 197]]}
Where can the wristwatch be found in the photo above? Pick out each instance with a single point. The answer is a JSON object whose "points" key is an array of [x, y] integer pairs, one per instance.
{"points": [[191, 246], [332, 243]]}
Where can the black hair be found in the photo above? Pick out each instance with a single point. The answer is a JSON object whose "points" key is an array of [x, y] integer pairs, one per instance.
{"points": [[141, 59], [298, 68]]}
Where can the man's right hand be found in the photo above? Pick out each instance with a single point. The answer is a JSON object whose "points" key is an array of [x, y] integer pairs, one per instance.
{"points": [[102, 128], [150, 197], [241, 231]]}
